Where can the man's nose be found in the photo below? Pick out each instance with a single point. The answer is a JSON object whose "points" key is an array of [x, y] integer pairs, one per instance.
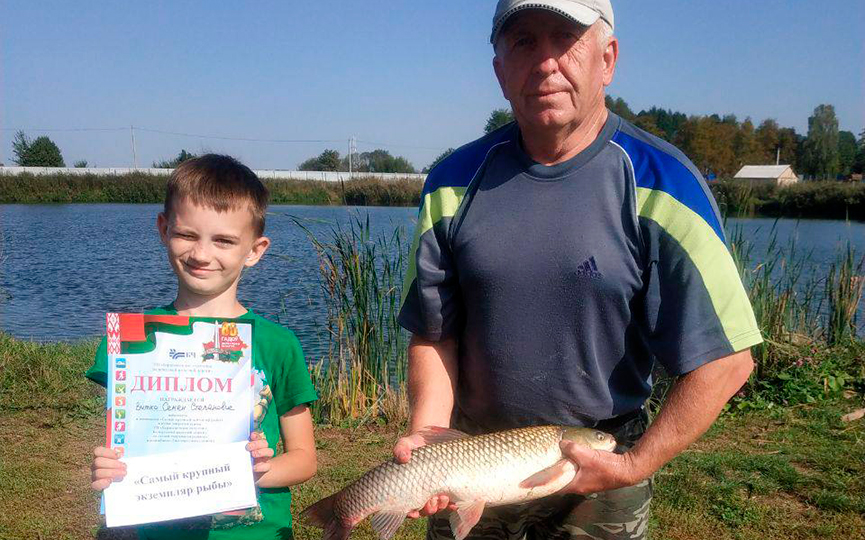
{"points": [[546, 57]]}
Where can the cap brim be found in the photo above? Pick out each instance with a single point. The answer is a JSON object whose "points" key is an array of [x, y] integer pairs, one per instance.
{"points": [[578, 13]]}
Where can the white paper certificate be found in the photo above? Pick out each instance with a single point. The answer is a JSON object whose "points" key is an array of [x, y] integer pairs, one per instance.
{"points": [[180, 397], [181, 484]]}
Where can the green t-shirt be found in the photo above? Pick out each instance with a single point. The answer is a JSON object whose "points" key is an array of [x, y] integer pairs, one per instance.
{"points": [[283, 383]]}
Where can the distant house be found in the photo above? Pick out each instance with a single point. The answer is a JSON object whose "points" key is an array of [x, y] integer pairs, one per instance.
{"points": [[780, 175]]}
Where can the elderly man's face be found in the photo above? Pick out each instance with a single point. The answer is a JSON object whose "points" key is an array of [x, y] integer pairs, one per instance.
{"points": [[552, 70]]}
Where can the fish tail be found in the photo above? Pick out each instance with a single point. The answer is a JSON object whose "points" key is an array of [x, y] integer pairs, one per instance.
{"points": [[322, 515]]}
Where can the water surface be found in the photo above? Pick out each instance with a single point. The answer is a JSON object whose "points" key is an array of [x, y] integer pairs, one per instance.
{"points": [[66, 265]]}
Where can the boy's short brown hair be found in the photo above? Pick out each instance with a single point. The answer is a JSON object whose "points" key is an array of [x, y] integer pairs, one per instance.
{"points": [[218, 182]]}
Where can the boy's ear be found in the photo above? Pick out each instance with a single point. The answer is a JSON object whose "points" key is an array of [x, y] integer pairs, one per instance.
{"points": [[259, 246], [162, 226]]}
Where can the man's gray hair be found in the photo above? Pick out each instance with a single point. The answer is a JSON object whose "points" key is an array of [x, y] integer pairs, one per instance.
{"points": [[605, 32]]}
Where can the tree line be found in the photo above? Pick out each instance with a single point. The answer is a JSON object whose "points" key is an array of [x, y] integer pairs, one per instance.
{"points": [[377, 161], [721, 145], [718, 145]]}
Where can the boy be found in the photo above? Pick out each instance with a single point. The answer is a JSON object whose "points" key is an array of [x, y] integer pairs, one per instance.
{"points": [[212, 227]]}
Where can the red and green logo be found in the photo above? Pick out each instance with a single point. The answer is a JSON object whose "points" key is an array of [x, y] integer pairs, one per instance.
{"points": [[226, 345]]}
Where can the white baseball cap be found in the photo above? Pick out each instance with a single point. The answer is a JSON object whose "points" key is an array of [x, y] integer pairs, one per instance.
{"points": [[585, 12]]}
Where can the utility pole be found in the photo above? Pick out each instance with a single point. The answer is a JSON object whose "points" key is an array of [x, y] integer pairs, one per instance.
{"points": [[134, 155], [352, 149], [778, 156]]}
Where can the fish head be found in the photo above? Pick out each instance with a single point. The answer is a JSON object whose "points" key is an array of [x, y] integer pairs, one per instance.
{"points": [[590, 437]]}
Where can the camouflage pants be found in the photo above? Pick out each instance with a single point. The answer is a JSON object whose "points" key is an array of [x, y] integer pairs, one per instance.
{"points": [[612, 515]]}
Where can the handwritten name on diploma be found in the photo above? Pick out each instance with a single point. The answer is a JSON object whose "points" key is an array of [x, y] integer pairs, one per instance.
{"points": [[181, 484], [183, 407]]}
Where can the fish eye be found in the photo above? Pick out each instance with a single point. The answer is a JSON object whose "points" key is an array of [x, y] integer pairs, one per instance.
{"points": [[600, 436]]}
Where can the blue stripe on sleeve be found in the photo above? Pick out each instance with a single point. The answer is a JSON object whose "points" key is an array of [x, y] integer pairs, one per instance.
{"points": [[656, 169], [458, 169]]}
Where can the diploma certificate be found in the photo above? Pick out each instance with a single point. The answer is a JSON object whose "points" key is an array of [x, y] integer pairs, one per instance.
{"points": [[179, 387]]}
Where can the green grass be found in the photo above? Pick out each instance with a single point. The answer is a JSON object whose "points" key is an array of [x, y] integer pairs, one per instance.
{"points": [[145, 188], [37, 376], [792, 473], [783, 472]]}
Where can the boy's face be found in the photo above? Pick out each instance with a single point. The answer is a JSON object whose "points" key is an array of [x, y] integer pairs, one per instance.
{"points": [[208, 249]]}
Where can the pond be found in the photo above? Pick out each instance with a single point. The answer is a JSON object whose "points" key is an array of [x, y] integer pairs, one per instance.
{"points": [[63, 266]]}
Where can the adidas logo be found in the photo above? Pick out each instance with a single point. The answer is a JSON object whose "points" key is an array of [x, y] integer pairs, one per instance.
{"points": [[589, 268]]}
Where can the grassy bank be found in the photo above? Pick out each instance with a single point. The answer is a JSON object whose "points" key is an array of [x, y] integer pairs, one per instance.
{"points": [[145, 188], [823, 200], [826, 200]]}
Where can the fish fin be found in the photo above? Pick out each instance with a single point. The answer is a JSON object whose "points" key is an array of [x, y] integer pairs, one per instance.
{"points": [[321, 514], [437, 434], [386, 523], [465, 517], [548, 475]]}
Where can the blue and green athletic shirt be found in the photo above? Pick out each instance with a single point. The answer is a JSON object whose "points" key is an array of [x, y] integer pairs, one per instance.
{"points": [[563, 284]]}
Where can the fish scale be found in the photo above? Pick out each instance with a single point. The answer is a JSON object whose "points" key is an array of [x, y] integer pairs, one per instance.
{"points": [[475, 472]]}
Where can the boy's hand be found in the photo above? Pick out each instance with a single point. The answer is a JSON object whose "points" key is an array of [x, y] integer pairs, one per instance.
{"points": [[260, 452], [106, 468]]}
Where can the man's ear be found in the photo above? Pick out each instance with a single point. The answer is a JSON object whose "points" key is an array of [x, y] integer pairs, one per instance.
{"points": [[611, 56], [497, 67], [257, 251], [162, 227]]}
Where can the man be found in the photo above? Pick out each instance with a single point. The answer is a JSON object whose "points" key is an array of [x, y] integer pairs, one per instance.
{"points": [[554, 261]]}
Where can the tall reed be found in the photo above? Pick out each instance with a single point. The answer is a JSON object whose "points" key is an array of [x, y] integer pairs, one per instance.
{"points": [[844, 288], [363, 375], [792, 310]]}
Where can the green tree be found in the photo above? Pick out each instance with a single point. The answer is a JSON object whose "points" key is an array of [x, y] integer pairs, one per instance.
{"points": [[382, 161], [821, 146], [20, 146], [647, 123], [80, 164], [441, 157], [41, 152], [356, 164], [708, 142], [847, 149], [620, 106], [667, 121], [745, 145], [768, 140], [326, 161], [791, 147], [498, 118], [378, 161], [329, 160], [171, 164], [859, 162]]}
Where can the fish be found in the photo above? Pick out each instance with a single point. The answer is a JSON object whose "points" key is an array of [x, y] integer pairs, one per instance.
{"points": [[475, 472]]}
